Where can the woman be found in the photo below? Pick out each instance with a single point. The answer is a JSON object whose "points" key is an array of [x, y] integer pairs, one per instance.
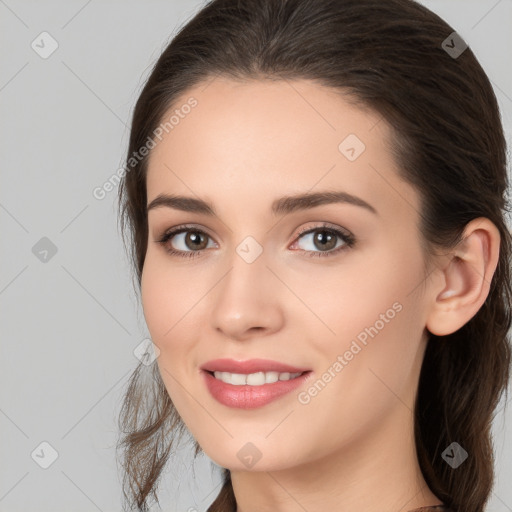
{"points": [[315, 195]]}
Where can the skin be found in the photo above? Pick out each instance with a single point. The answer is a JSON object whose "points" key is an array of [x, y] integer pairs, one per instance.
{"points": [[244, 145]]}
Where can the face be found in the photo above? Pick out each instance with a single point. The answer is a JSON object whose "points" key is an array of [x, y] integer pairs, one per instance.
{"points": [[333, 286]]}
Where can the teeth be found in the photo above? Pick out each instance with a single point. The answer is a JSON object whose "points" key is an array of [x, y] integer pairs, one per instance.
{"points": [[254, 379]]}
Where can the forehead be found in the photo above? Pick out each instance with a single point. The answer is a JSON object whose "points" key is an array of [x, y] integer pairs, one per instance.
{"points": [[271, 138]]}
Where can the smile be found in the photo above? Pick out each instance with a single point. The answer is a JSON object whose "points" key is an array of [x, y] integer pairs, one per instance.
{"points": [[250, 391]]}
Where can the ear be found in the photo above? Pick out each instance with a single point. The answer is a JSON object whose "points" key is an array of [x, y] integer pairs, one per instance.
{"points": [[463, 281]]}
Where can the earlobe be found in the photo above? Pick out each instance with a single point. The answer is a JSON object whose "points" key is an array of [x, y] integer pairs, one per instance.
{"points": [[466, 279]]}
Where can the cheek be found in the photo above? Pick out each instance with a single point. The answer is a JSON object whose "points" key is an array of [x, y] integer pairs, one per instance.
{"points": [[173, 301], [366, 289], [385, 318], [373, 318], [162, 301], [156, 303], [166, 299], [166, 295]]}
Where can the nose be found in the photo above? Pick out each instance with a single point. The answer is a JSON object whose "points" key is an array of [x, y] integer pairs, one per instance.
{"points": [[247, 301]]}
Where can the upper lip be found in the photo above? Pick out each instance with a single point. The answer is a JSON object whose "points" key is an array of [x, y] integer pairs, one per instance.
{"points": [[250, 366]]}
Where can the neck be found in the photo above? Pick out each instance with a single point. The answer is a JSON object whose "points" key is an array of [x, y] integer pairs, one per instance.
{"points": [[378, 471]]}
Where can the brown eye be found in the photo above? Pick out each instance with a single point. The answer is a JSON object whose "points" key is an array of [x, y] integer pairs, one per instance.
{"points": [[323, 240], [196, 240], [186, 242]]}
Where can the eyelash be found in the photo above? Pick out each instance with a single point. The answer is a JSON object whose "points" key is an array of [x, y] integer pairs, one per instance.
{"points": [[348, 240]]}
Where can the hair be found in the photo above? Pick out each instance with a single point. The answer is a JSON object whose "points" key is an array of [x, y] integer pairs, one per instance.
{"points": [[448, 142]]}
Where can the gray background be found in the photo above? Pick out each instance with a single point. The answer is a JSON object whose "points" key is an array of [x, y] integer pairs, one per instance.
{"points": [[70, 324]]}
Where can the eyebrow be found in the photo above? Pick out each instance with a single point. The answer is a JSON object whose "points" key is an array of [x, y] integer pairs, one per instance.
{"points": [[281, 206]]}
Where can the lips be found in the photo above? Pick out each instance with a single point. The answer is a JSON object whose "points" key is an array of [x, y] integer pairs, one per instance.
{"points": [[250, 366], [251, 397]]}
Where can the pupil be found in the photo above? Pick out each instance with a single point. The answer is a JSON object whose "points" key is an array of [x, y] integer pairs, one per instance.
{"points": [[324, 237], [195, 238]]}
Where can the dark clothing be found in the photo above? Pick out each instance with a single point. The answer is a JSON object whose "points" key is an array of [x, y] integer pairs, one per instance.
{"points": [[440, 508]]}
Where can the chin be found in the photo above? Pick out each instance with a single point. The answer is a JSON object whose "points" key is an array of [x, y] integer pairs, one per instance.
{"points": [[249, 457]]}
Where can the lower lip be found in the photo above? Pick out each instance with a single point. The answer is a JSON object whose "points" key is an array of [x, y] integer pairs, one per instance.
{"points": [[251, 397]]}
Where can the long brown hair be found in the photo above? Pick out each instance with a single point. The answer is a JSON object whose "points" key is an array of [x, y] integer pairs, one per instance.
{"points": [[389, 56]]}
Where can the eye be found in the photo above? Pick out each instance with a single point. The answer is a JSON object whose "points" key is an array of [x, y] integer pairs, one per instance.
{"points": [[184, 238], [328, 240]]}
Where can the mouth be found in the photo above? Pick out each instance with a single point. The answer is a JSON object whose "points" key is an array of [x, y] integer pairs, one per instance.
{"points": [[253, 390]]}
